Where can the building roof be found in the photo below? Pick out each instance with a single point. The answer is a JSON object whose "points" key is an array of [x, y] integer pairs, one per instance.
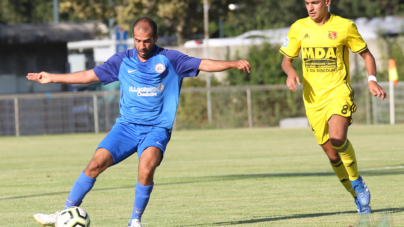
{"points": [[49, 32]]}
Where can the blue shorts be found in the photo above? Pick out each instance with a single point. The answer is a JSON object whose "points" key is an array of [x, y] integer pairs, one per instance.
{"points": [[125, 139]]}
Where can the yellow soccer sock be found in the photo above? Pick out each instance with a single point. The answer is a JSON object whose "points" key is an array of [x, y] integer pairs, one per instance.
{"points": [[343, 176], [347, 154]]}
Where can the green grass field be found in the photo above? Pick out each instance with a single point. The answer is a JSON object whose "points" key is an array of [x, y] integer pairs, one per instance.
{"points": [[238, 177]]}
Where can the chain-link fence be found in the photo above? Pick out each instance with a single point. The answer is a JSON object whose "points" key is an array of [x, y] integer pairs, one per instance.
{"points": [[232, 107]]}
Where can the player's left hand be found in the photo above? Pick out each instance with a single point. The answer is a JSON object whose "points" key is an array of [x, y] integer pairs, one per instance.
{"points": [[376, 90], [244, 65]]}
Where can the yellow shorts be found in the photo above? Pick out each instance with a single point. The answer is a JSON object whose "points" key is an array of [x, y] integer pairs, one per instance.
{"points": [[319, 117]]}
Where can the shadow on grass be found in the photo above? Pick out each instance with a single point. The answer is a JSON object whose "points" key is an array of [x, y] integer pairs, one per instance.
{"points": [[296, 216], [202, 179]]}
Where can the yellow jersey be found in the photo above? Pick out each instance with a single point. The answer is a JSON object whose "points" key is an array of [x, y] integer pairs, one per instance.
{"points": [[324, 51]]}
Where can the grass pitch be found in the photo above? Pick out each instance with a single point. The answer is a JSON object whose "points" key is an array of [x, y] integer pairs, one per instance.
{"points": [[239, 177]]}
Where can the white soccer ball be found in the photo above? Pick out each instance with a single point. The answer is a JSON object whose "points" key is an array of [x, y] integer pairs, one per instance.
{"points": [[73, 217]]}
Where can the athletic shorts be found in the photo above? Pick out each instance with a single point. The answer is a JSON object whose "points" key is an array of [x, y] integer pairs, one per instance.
{"points": [[319, 118], [125, 139]]}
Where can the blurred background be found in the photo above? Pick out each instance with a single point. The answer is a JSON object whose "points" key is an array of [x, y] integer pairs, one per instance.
{"points": [[62, 36]]}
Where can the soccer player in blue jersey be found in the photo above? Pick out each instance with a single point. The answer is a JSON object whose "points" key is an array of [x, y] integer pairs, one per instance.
{"points": [[150, 81]]}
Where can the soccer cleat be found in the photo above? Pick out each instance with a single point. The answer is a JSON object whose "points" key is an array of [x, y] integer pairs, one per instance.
{"points": [[134, 223], [361, 209], [47, 219], [362, 191]]}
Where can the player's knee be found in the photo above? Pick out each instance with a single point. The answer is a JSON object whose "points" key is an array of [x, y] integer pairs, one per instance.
{"points": [[337, 142], [147, 172], [94, 168]]}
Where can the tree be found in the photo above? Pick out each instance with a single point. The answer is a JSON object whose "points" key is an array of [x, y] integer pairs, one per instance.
{"points": [[263, 14], [83, 10], [266, 61], [23, 11], [367, 8], [183, 17]]}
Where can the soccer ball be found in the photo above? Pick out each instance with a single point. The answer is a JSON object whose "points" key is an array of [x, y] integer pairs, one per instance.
{"points": [[73, 217]]}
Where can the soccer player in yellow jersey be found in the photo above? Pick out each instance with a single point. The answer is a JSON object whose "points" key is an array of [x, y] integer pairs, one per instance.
{"points": [[323, 40]]}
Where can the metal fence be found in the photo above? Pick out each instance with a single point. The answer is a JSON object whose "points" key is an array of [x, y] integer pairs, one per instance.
{"points": [[232, 107]]}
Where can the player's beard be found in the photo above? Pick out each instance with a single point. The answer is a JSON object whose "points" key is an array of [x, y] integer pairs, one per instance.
{"points": [[146, 52]]}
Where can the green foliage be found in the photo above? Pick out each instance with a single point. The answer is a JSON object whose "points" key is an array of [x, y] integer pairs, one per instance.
{"points": [[184, 18], [392, 49], [23, 11], [196, 116], [198, 82], [367, 8], [263, 14], [81, 10], [265, 62], [398, 56], [266, 14]]}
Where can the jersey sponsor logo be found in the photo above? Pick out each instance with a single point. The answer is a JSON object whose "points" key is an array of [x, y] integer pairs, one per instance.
{"points": [[332, 35], [147, 91], [131, 71], [285, 43], [306, 36], [159, 67], [320, 59]]}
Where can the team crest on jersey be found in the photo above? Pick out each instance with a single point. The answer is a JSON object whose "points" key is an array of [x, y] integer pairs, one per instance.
{"points": [[160, 87], [159, 67], [332, 35]]}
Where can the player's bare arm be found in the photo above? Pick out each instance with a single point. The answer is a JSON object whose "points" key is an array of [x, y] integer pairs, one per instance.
{"points": [[82, 77], [370, 64], [291, 72], [208, 65]]}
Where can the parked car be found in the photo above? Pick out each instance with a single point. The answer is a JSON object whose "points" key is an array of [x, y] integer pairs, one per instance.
{"points": [[254, 37]]}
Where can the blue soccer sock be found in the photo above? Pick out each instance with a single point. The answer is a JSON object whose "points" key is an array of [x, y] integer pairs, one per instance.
{"points": [[80, 188], [142, 196]]}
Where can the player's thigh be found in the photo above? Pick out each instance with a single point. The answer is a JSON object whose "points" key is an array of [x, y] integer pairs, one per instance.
{"points": [[338, 127], [340, 117], [156, 137], [121, 142], [318, 123]]}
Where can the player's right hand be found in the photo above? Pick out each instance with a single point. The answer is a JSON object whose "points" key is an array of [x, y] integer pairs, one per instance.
{"points": [[42, 77], [244, 65], [291, 82]]}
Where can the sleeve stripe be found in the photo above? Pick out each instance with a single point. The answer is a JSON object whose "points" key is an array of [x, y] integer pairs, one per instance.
{"points": [[366, 46], [282, 52]]}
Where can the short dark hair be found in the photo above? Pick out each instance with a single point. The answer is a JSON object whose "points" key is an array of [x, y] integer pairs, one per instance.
{"points": [[148, 21]]}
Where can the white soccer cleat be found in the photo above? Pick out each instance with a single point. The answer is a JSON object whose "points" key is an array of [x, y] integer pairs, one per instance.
{"points": [[47, 219], [134, 223]]}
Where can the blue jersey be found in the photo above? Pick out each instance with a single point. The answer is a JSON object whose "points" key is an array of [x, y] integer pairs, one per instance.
{"points": [[149, 90]]}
